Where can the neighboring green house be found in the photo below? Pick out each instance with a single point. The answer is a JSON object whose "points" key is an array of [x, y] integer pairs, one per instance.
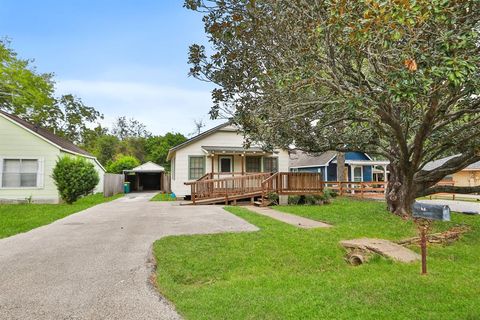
{"points": [[28, 155]]}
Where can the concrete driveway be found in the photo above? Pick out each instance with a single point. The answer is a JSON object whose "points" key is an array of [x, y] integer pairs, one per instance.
{"points": [[96, 264]]}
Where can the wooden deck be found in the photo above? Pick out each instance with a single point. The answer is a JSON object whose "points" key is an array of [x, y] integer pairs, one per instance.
{"points": [[248, 187], [210, 190]]}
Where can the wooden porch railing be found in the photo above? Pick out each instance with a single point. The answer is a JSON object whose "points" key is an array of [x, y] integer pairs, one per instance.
{"points": [[259, 184], [227, 187], [284, 183]]}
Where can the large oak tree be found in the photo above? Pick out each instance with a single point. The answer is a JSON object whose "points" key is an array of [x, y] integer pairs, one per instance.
{"points": [[395, 78]]}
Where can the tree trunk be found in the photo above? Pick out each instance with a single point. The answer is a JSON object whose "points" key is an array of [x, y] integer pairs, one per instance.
{"points": [[401, 191], [340, 166]]}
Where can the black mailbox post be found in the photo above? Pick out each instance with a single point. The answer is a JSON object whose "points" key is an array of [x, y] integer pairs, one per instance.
{"points": [[424, 214]]}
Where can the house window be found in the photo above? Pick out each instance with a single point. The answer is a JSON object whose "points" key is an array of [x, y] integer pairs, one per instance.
{"points": [[225, 164], [20, 173], [173, 169], [253, 164], [357, 174], [196, 167], [270, 164]]}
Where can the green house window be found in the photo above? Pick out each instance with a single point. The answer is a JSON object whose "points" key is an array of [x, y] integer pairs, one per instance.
{"points": [[196, 167], [270, 164], [253, 164]]}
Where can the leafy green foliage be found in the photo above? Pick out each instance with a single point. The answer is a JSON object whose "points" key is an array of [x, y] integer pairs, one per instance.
{"points": [[285, 272], [157, 147], [123, 163], [74, 177], [17, 218]]}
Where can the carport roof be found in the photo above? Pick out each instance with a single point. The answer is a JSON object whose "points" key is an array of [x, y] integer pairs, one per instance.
{"points": [[147, 167]]}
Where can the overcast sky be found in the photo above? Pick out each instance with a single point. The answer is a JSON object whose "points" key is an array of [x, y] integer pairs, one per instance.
{"points": [[122, 57]]}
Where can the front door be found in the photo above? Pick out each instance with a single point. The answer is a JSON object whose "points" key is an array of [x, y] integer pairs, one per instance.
{"points": [[226, 164]]}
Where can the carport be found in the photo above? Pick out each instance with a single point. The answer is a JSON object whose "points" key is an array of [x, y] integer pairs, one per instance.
{"points": [[148, 176]]}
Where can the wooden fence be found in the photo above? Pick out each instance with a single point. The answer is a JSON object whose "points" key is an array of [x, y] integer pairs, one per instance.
{"points": [[113, 184], [167, 182], [373, 189]]}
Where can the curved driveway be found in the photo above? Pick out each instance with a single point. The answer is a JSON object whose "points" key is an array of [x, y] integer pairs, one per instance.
{"points": [[96, 264]]}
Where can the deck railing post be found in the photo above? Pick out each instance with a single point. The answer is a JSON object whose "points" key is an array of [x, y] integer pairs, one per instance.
{"points": [[192, 191]]}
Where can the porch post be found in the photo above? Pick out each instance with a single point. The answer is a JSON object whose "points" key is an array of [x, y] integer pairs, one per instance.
{"points": [[242, 156], [213, 166]]}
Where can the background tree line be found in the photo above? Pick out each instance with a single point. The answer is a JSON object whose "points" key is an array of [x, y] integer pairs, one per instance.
{"points": [[29, 94]]}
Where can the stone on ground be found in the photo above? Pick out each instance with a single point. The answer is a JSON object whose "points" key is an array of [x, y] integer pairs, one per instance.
{"points": [[383, 247]]}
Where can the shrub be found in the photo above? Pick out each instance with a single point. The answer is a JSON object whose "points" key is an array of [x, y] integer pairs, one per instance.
{"points": [[123, 163], [273, 198], [74, 177], [311, 200], [294, 200], [327, 196]]}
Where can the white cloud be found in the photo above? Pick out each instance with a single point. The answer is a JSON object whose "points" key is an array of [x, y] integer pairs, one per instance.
{"points": [[162, 108]]}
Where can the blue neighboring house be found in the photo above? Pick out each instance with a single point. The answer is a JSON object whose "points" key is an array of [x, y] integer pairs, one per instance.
{"points": [[359, 166]]}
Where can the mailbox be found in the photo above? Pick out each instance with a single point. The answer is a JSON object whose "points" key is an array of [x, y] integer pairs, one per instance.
{"points": [[431, 211]]}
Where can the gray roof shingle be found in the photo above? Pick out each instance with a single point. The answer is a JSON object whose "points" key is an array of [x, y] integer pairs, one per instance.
{"points": [[302, 159], [437, 163]]}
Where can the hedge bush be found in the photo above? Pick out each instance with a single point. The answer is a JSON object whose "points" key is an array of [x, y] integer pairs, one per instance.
{"points": [[123, 163], [74, 177]]}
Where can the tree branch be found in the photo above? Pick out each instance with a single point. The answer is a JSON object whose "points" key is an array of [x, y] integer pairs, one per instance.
{"points": [[448, 189]]}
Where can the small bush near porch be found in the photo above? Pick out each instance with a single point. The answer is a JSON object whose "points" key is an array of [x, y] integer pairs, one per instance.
{"points": [[283, 272]]}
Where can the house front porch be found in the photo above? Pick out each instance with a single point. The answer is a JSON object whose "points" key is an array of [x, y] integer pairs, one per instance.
{"points": [[227, 162]]}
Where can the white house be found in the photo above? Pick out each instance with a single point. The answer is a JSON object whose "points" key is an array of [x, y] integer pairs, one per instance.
{"points": [[28, 155], [220, 152]]}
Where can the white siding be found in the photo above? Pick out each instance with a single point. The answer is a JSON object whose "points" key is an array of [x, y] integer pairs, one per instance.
{"points": [[16, 142]]}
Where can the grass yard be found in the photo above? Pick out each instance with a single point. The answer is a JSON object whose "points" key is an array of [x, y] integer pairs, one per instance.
{"points": [[163, 197], [17, 218], [283, 272]]}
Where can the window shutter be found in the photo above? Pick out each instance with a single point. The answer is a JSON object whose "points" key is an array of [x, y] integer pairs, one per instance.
{"points": [[40, 173]]}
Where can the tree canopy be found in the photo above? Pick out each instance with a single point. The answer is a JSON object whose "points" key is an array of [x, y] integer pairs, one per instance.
{"points": [[397, 79], [30, 95]]}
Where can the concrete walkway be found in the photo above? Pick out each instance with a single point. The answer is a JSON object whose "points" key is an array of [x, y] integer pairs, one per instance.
{"points": [[291, 219], [96, 264], [457, 206]]}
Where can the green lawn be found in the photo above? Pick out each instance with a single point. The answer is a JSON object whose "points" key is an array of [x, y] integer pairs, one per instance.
{"points": [[283, 272], [17, 218], [163, 197]]}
